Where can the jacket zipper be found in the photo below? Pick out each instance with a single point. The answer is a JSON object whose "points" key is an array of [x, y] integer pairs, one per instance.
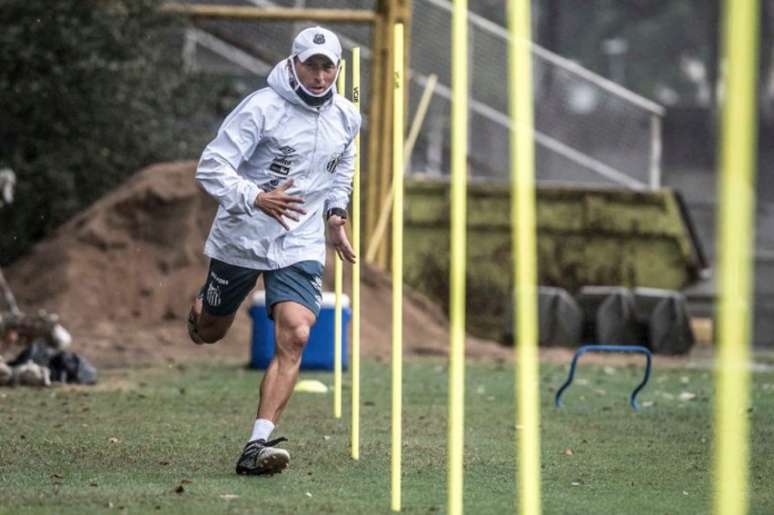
{"points": [[313, 160], [314, 149]]}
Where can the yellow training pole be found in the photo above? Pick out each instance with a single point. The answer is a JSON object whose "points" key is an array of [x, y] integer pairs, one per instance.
{"points": [[356, 267], [735, 238], [524, 255], [397, 264], [338, 285], [459, 171]]}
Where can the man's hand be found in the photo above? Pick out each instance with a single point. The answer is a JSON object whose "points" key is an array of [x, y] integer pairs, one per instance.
{"points": [[277, 204], [338, 237]]}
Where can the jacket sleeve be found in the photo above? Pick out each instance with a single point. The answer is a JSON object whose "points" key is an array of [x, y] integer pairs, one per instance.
{"points": [[217, 169], [338, 196]]}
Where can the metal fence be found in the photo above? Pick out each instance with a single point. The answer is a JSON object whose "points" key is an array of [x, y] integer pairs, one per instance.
{"points": [[587, 129]]}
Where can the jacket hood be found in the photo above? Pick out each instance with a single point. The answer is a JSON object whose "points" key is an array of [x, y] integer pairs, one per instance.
{"points": [[283, 82]]}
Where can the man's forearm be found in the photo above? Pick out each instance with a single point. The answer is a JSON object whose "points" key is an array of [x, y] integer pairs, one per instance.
{"points": [[234, 193]]}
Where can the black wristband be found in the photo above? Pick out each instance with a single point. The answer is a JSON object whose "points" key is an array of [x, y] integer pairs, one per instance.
{"points": [[342, 213]]}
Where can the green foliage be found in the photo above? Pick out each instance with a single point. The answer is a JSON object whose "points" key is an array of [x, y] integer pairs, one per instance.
{"points": [[132, 441], [92, 91]]}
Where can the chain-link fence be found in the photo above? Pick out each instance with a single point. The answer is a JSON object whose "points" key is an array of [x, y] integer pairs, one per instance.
{"points": [[248, 50], [587, 129]]}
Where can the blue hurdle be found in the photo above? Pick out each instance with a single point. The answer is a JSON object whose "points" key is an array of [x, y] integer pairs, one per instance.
{"points": [[608, 348]]}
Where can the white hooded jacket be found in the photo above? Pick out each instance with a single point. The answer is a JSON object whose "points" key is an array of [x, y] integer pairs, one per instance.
{"points": [[270, 137]]}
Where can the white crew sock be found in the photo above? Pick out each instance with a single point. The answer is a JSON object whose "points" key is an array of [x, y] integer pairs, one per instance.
{"points": [[262, 429]]}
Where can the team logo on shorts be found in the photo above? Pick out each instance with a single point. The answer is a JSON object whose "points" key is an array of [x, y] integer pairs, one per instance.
{"points": [[213, 295], [217, 278]]}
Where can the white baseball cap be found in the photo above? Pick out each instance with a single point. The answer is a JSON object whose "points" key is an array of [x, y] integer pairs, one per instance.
{"points": [[317, 41]]}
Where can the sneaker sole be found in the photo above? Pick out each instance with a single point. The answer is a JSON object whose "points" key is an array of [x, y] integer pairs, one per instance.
{"points": [[273, 464], [268, 465]]}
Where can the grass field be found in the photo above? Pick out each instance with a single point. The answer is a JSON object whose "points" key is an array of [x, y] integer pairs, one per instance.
{"points": [[166, 439]]}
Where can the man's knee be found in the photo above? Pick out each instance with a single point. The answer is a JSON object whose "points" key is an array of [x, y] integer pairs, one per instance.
{"points": [[293, 323], [293, 338]]}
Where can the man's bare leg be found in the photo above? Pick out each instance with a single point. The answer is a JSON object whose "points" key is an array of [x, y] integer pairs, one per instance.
{"points": [[292, 324], [209, 328]]}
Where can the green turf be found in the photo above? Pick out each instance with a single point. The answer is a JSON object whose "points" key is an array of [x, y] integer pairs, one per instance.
{"points": [[183, 426]]}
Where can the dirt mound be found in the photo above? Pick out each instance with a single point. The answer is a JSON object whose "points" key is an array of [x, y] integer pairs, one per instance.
{"points": [[121, 275]]}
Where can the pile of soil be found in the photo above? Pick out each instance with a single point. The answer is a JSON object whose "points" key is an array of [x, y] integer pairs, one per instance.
{"points": [[122, 274]]}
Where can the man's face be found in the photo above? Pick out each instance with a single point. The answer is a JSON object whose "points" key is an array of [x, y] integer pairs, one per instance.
{"points": [[316, 73]]}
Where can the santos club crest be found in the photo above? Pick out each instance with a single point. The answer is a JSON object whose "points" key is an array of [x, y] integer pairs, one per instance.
{"points": [[333, 163], [213, 295]]}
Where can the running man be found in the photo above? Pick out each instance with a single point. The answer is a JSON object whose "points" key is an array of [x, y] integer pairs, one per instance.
{"points": [[281, 169]]}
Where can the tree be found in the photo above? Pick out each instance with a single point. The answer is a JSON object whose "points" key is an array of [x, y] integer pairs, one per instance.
{"points": [[92, 91]]}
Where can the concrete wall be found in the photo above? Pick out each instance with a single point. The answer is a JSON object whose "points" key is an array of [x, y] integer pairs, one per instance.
{"points": [[585, 237]]}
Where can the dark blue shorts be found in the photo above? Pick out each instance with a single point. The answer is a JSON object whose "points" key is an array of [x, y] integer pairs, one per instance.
{"points": [[228, 285]]}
